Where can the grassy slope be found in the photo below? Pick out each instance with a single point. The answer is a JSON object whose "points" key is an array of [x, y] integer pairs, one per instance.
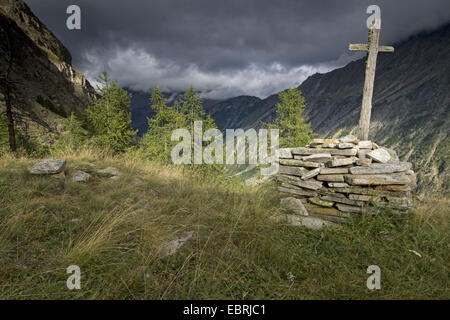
{"points": [[238, 252]]}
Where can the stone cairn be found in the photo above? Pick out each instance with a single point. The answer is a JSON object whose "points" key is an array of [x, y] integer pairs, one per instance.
{"points": [[337, 178]]}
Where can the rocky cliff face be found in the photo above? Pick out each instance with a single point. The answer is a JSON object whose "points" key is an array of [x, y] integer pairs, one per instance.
{"points": [[44, 85], [411, 105]]}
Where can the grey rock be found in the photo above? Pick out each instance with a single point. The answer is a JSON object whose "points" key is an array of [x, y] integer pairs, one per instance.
{"points": [[295, 205], [285, 153], [379, 155], [311, 174], [340, 162], [319, 157], [48, 166], [309, 184], [346, 145], [365, 162], [299, 163], [360, 197], [333, 152], [377, 179], [294, 171], [339, 199], [349, 139], [296, 191], [81, 176], [378, 168], [325, 141], [362, 153], [331, 177], [338, 185], [365, 144], [350, 209], [333, 170], [173, 246], [321, 202]]}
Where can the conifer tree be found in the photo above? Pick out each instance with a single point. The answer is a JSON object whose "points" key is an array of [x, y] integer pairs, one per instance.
{"points": [[109, 116], [157, 141], [295, 130], [74, 134]]}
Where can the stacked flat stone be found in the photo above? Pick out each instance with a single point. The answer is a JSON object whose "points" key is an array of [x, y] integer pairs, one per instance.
{"points": [[337, 178]]}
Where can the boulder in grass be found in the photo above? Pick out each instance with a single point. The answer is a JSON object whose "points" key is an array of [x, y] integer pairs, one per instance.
{"points": [[81, 176], [49, 166], [173, 246], [295, 205]]}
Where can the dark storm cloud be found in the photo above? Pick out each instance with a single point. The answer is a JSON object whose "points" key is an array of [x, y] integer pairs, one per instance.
{"points": [[228, 46]]}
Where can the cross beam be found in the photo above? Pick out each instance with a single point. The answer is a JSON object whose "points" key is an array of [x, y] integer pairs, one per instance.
{"points": [[372, 49]]}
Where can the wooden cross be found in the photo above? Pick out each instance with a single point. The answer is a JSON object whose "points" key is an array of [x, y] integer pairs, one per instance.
{"points": [[372, 49]]}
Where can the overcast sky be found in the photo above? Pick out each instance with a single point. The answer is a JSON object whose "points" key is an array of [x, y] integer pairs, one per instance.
{"points": [[226, 47]]}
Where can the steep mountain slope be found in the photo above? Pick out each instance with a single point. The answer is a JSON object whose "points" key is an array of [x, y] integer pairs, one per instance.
{"points": [[44, 85], [411, 104]]}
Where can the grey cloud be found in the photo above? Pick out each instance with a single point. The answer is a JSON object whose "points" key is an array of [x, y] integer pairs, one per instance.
{"points": [[201, 40]]}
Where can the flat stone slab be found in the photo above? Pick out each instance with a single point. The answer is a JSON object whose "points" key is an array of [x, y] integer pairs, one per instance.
{"points": [[338, 184], [379, 155], [325, 141], [48, 166], [365, 162], [339, 198], [311, 174], [81, 176], [293, 171], [285, 153], [173, 246], [320, 202], [333, 170], [378, 168], [346, 145], [370, 191], [398, 187], [349, 139], [340, 162], [299, 163], [376, 179], [334, 152], [365, 144], [331, 177], [350, 209], [319, 157], [359, 197], [298, 192], [295, 205], [362, 153], [308, 184]]}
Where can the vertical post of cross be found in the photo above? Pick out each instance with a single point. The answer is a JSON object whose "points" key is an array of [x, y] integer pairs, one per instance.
{"points": [[372, 49]]}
